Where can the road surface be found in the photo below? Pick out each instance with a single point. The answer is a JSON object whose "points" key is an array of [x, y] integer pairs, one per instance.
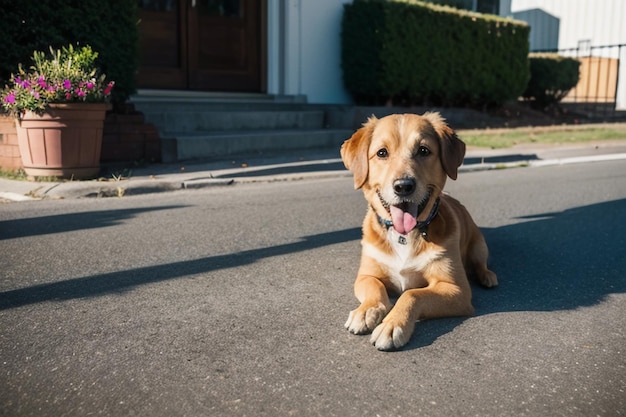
{"points": [[230, 301]]}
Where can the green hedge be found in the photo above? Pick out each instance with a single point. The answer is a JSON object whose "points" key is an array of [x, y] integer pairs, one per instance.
{"points": [[551, 77], [429, 54], [109, 27]]}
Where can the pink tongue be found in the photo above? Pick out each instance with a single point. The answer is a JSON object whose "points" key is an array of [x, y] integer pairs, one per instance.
{"points": [[403, 221]]}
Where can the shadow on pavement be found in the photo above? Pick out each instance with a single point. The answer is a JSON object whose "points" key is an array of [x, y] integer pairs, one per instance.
{"points": [[97, 285], [60, 223], [304, 168], [549, 262], [558, 261]]}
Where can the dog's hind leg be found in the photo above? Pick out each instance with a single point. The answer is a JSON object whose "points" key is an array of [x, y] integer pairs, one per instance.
{"points": [[476, 261]]}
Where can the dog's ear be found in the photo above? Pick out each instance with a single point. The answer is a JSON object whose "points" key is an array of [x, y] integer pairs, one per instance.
{"points": [[452, 148], [354, 153]]}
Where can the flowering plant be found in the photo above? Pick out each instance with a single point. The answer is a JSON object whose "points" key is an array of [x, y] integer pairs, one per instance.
{"points": [[66, 75]]}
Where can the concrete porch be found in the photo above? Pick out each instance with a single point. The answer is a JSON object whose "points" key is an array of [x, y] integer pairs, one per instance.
{"points": [[194, 125]]}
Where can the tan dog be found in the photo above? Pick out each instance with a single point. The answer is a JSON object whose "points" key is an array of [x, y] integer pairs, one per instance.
{"points": [[417, 243]]}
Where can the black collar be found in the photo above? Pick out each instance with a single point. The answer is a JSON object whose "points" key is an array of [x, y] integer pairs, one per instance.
{"points": [[421, 226]]}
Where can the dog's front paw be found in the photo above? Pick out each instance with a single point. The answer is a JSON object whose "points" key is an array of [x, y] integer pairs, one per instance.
{"points": [[390, 336], [364, 319]]}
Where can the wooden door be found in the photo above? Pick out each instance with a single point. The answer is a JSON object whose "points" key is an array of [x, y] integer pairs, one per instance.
{"points": [[162, 44], [225, 45], [209, 45]]}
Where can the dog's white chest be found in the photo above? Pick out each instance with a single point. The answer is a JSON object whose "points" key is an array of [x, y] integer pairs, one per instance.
{"points": [[402, 245], [403, 265]]}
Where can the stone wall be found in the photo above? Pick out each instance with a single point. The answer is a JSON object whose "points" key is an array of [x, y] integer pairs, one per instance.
{"points": [[127, 137]]}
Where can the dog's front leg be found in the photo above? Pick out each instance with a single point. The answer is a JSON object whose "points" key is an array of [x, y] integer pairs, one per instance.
{"points": [[438, 300], [375, 304]]}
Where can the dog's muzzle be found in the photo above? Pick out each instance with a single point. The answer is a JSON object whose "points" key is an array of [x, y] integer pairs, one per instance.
{"points": [[405, 212]]}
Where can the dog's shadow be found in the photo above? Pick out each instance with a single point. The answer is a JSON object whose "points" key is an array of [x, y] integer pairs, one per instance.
{"points": [[548, 262]]}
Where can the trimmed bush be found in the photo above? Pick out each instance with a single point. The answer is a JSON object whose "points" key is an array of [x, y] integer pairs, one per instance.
{"points": [[551, 77], [109, 27], [434, 55]]}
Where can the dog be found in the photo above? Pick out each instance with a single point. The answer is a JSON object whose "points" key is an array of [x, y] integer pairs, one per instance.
{"points": [[419, 244]]}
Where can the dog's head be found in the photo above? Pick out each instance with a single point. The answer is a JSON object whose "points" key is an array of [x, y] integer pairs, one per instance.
{"points": [[401, 162]]}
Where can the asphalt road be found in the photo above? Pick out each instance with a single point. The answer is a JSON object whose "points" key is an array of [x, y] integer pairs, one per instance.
{"points": [[231, 302]]}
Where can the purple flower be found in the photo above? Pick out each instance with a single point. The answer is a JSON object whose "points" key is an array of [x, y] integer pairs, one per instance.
{"points": [[90, 85], [67, 84], [10, 98], [80, 93], [42, 82], [108, 88]]}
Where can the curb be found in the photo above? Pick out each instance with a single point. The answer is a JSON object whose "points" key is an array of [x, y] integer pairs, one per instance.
{"points": [[542, 163], [15, 197]]}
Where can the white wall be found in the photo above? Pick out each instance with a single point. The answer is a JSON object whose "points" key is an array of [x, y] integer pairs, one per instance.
{"points": [[505, 8], [321, 51], [304, 50]]}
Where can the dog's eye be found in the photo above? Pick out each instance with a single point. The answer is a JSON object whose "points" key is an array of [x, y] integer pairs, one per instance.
{"points": [[423, 151], [382, 153]]}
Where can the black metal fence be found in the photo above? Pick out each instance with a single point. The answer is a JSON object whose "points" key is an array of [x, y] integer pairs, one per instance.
{"points": [[599, 90]]}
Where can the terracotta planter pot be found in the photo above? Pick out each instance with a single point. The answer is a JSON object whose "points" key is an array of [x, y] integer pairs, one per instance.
{"points": [[66, 141]]}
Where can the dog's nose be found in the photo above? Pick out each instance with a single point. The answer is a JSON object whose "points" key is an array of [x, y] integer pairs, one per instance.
{"points": [[404, 186]]}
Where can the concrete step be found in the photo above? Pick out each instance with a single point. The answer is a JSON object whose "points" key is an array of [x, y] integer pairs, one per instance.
{"points": [[183, 120], [205, 126], [216, 145], [200, 105], [151, 97]]}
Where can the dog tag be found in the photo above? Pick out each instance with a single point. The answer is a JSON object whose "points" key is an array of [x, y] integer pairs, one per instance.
{"points": [[402, 240]]}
